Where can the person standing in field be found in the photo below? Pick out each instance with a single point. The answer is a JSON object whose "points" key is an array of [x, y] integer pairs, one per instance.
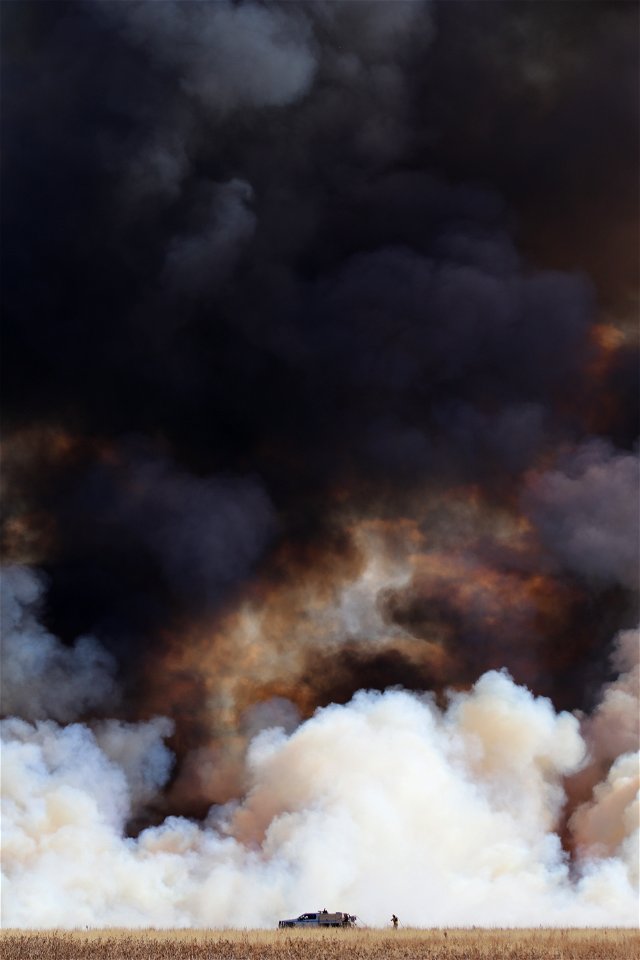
{"points": [[394, 921]]}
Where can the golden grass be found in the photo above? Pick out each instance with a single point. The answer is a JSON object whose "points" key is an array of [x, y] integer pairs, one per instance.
{"points": [[404, 944]]}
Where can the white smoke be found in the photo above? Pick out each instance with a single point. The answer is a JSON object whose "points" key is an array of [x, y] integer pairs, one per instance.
{"points": [[40, 677], [387, 803], [607, 827], [614, 728], [139, 751]]}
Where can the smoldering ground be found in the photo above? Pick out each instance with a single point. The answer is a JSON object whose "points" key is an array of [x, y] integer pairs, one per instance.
{"points": [[319, 376]]}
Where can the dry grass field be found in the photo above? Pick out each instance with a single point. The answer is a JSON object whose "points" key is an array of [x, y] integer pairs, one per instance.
{"points": [[476, 944]]}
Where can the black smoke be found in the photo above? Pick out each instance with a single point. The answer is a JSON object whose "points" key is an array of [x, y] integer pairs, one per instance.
{"points": [[268, 266]]}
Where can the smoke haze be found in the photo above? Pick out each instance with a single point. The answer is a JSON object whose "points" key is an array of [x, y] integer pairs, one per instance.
{"points": [[320, 465]]}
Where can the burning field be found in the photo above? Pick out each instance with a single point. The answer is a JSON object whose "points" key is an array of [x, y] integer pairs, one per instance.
{"points": [[320, 470]]}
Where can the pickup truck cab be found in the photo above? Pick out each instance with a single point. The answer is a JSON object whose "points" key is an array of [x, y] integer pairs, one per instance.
{"points": [[320, 918]]}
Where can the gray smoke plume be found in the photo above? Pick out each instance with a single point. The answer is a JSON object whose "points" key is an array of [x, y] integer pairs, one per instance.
{"points": [[587, 512], [40, 677], [228, 56]]}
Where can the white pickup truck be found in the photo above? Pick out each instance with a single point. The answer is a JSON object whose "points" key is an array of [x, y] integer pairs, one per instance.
{"points": [[321, 918]]}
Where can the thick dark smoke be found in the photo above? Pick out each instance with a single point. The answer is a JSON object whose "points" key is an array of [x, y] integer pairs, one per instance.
{"points": [[320, 374]]}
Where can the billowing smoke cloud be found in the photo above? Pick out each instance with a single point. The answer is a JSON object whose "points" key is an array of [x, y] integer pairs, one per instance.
{"points": [[211, 48], [320, 461], [40, 677], [613, 728], [587, 512], [204, 533], [381, 801]]}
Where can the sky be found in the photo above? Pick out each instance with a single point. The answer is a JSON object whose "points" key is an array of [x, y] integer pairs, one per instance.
{"points": [[320, 462]]}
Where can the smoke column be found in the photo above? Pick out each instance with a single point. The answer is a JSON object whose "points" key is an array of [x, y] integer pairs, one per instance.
{"points": [[320, 462]]}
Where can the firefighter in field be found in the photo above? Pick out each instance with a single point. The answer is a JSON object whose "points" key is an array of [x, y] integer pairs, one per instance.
{"points": [[394, 921]]}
